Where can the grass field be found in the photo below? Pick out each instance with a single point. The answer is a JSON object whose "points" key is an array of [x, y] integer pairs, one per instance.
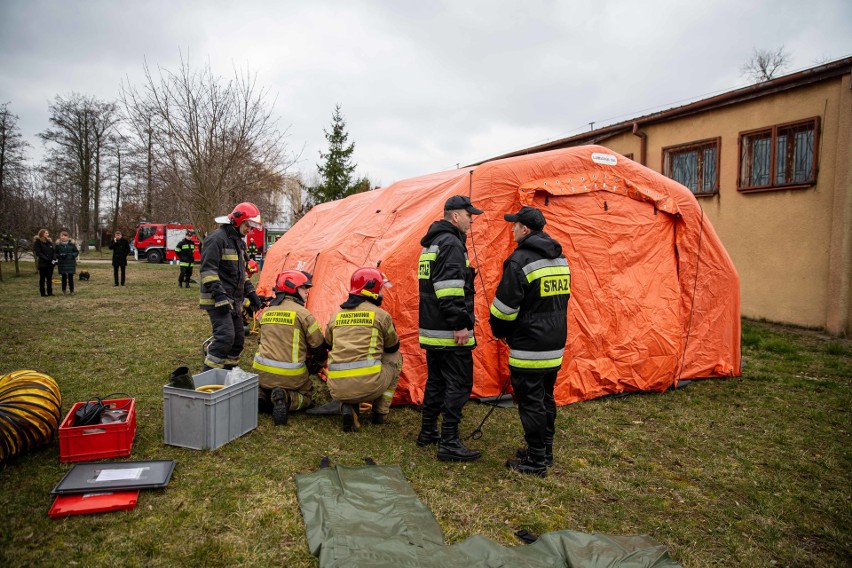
{"points": [[750, 471]]}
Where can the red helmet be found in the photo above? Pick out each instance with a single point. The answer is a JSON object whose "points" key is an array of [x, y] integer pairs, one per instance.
{"points": [[245, 211], [367, 282], [289, 280], [252, 268]]}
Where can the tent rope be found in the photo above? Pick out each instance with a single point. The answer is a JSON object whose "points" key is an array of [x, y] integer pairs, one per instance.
{"points": [[694, 288]]}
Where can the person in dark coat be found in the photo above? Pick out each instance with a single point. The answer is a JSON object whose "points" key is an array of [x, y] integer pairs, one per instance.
{"points": [[46, 260], [66, 254], [529, 312], [120, 248]]}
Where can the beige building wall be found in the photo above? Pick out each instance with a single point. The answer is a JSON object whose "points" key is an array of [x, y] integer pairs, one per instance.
{"points": [[792, 248]]}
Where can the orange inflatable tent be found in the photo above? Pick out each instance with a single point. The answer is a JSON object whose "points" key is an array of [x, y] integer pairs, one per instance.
{"points": [[654, 295]]}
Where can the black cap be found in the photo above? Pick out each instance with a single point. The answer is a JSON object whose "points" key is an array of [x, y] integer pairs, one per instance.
{"points": [[529, 217], [461, 202]]}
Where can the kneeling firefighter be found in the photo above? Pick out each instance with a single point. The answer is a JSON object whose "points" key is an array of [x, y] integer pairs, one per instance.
{"points": [[365, 362], [224, 285], [291, 349]]}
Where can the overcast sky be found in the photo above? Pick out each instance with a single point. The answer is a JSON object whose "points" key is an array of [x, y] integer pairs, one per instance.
{"points": [[423, 85]]}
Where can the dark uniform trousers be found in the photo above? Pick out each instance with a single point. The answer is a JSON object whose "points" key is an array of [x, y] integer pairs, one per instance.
{"points": [[536, 406], [449, 384], [185, 274], [229, 335]]}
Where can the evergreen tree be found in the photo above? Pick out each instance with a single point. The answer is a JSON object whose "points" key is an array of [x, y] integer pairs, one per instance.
{"points": [[336, 170]]}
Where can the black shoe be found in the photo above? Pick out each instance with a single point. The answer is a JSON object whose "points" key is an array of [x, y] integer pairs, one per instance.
{"points": [[527, 467], [181, 379], [451, 448], [379, 418], [280, 406], [548, 457], [350, 418], [428, 437]]}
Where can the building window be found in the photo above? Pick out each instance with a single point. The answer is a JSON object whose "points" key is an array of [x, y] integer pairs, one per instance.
{"points": [[779, 157], [695, 165]]}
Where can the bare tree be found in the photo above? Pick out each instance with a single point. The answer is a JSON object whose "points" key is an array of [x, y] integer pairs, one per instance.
{"points": [[12, 177], [214, 141], [81, 126], [765, 64]]}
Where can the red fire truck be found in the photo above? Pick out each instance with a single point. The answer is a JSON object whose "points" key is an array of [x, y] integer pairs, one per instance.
{"points": [[156, 242]]}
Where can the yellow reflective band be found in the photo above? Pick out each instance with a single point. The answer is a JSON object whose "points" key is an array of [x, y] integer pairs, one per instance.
{"points": [[535, 363], [443, 342], [387, 394], [278, 370], [278, 317], [449, 292], [349, 373], [208, 279], [230, 257], [424, 269], [555, 285], [500, 315], [313, 327], [355, 318], [549, 271], [374, 337], [206, 302], [295, 354], [428, 256]]}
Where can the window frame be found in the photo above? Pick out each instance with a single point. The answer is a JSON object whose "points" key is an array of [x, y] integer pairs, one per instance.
{"points": [[813, 121], [668, 151]]}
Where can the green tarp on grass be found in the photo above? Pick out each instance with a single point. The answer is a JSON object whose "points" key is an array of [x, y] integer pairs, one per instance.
{"points": [[370, 517]]}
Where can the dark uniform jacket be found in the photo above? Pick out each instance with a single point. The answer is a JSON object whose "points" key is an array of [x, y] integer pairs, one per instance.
{"points": [[120, 249], [44, 253], [530, 307], [223, 269], [446, 287], [67, 254], [185, 251]]}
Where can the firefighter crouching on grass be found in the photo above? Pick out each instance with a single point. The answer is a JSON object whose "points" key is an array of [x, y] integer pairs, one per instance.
{"points": [[186, 256], [224, 285], [365, 362], [291, 349], [529, 312]]}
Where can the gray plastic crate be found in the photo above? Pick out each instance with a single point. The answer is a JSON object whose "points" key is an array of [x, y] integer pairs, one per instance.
{"points": [[206, 421]]}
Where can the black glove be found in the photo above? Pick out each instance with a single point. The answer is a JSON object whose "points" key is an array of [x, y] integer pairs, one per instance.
{"points": [[254, 299], [223, 304]]}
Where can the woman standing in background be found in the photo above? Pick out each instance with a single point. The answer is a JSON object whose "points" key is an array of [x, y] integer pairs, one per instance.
{"points": [[45, 259], [67, 253]]}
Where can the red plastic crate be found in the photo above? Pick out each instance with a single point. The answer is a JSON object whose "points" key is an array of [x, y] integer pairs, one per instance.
{"points": [[98, 441]]}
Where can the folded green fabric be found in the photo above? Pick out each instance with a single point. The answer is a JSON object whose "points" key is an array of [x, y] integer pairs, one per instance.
{"points": [[370, 517]]}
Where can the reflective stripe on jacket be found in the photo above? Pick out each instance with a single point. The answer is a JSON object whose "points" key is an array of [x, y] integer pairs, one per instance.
{"points": [[446, 288], [287, 331], [530, 307], [359, 338], [185, 251]]}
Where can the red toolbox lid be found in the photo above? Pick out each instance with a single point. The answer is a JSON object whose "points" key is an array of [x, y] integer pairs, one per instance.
{"points": [[66, 505]]}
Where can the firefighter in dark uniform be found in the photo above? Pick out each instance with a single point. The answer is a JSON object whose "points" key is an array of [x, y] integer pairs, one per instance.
{"points": [[529, 313], [252, 251], [365, 362], [224, 285], [186, 257], [291, 348], [446, 328]]}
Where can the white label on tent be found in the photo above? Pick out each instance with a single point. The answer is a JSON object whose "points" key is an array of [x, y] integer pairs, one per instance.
{"points": [[120, 474], [607, 159]]}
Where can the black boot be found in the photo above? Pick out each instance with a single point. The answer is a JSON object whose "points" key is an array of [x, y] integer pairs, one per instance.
{"points": [[548, 454], [532, 464], [451, 448], [350, 418], [180, 378], [280, 406], [428, 431]]}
